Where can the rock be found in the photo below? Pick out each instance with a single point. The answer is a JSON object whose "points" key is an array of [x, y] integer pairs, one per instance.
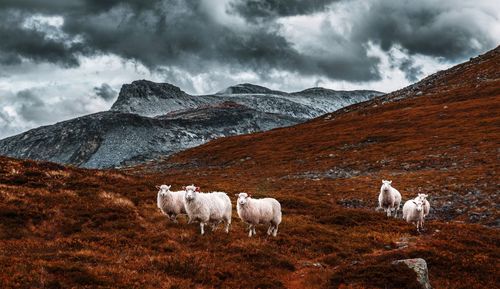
{"points": [[313, 264], [420, 267]]}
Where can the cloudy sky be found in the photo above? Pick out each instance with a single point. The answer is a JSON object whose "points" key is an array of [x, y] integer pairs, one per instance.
{"points": [[64, 58]]}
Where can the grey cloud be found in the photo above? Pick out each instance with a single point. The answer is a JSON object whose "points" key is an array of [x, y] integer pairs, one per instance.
{"points": [[19, 42], [447, 29], [105, 92], [183, 34], [255, 9], [32, 108]]}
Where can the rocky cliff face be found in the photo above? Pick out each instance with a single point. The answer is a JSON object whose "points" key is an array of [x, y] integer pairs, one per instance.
{"points": [[111, 138], [152, 99], [149, 120]]}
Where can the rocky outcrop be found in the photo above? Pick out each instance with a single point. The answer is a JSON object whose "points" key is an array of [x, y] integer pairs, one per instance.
{"points": [[420, 267]]}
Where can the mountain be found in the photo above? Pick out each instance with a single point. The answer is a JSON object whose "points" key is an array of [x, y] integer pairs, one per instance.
{"points": [[111, 138], [151, 120], [152, 99]]}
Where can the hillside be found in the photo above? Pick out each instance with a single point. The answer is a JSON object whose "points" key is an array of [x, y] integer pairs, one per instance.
{"points": [[63, 227], [429, 137]]}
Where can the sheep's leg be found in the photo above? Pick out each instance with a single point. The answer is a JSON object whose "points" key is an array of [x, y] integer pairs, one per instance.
{"points": [[202, 228], [173, 218], [270, 229], [253, 228], [250, 231], [388, 212], [228, 223], [275, 232]]}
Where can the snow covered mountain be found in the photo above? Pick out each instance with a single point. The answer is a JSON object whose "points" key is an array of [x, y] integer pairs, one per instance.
{"points": [[152, 99], [151, 120]]}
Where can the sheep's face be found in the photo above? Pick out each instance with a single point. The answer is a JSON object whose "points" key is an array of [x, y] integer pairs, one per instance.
{"points": [[163, 189], [191, 192], [242, 198], [386, 185], [419, 204]]}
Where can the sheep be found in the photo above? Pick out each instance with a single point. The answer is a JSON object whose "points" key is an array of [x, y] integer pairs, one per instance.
{"points": [[413, 211], [389, 198], [170, 203], [259, 211], [207, 208], [426, 204]]}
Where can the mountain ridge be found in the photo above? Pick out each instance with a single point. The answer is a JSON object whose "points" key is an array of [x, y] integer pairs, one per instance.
{"points": [[145, 109]]}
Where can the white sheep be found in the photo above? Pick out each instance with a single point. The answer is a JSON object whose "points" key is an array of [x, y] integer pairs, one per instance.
{"points": [[207, 208], [389, 198], [413, 211], [259, 211], [170, 203], [426, 204]]}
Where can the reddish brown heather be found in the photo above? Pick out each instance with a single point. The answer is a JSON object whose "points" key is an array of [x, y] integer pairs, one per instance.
{"points": [[64, 227]]}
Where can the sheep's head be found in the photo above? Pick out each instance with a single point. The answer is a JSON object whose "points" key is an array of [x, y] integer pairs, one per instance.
{"points": [[163, 189], [243, 198], [386, 184], [191, 192], [419, 204]]}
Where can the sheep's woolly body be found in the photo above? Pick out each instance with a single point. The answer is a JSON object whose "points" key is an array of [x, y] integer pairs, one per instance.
{"points": [[209, 208], [389, 199], [412, 215], [171, 203], [260, 211]]}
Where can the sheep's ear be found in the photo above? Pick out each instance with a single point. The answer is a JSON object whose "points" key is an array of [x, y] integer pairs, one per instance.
{"points": [[158, 187], [184, 188], [249, 195], [197, 189], [236, 195], [390, 182]]}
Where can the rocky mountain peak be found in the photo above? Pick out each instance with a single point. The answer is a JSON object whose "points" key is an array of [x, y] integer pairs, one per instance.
{"points": [[135, 96], [248, 88]]}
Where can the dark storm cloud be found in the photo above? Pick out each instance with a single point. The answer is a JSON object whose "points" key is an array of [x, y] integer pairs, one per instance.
{"points": [[255, 9], [105, 92], [188, 34], [18, 41], [447, 29]]}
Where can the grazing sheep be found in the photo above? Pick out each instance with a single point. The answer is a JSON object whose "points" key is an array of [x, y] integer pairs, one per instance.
{"points": [[426, 204], [259, 211], [207, 208], [170, 203], [413, 211], [389, 198]]}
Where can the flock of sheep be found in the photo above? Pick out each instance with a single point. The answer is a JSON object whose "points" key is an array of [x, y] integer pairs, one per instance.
{"points": [[414, 210], [215, 208]]}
